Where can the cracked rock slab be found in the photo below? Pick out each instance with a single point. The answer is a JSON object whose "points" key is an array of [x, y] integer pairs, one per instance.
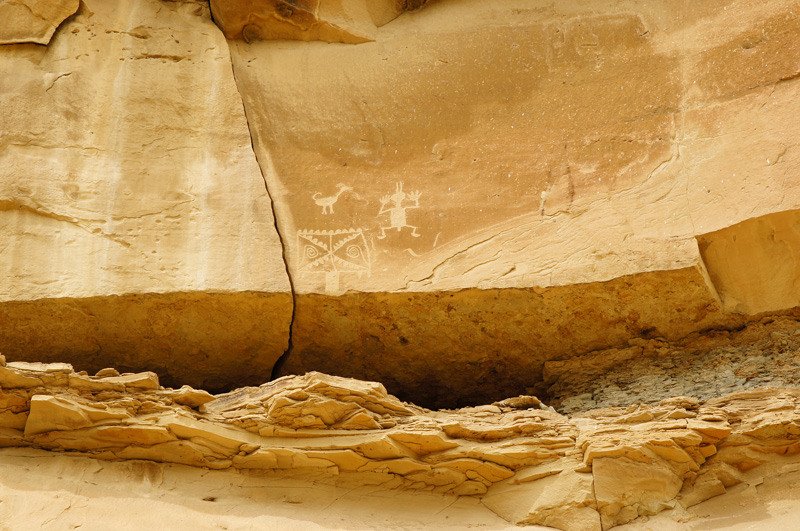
{"points": [[129, 190]]}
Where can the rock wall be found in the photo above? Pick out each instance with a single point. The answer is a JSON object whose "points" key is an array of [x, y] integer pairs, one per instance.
{"points": [[135, 227], [470, 188], [571, 163]]}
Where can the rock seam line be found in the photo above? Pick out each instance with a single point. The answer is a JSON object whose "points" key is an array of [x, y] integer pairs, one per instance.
{"points": [[281, 361]]}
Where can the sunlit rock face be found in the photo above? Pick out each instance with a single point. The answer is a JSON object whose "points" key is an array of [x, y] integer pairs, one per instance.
{"points": [[590, 208], [524, 461], [487, 186], [135, 227], [462, 192]]}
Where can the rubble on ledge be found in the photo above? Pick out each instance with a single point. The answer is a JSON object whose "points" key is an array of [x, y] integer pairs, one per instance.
{"points": [[528, 463]]}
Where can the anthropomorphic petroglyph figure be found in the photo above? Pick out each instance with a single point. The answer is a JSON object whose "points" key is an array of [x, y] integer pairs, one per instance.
{"points": [[327, 202], [397, 212]]}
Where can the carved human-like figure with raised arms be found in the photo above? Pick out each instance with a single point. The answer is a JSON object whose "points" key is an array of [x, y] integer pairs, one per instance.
{"points": [[397, 211]]}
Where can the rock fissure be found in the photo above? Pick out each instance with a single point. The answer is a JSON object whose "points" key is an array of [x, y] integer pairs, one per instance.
{"points": [[281, 361], [478, 200]]}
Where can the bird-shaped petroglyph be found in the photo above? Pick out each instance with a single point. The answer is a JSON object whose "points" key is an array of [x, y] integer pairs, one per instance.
{"points": [[327, 202]]}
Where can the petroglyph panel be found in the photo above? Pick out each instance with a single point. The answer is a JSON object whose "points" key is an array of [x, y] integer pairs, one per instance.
{"points": [[557, 144]]}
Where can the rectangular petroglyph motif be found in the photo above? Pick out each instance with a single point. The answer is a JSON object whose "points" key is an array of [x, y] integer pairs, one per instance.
{"points": [[333, 252]]}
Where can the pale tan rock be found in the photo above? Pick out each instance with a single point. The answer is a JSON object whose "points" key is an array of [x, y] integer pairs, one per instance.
{"points": [[94, 384], [602, 468], [562, 499], [33, 21], [751, 263], [627, 488], [193, 398], [566, 147], [311, 401], [132, 204], [48, 490], [49, 413], [348, 21]]}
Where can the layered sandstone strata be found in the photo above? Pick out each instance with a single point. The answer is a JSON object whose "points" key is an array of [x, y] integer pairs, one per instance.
{"points": [[469, 189], [527, 463]]}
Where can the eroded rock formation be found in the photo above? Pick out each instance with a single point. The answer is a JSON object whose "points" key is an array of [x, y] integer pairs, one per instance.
{"points": [[596, 205], [134, 219], [527, 463], [479, 189], [348, 21]]}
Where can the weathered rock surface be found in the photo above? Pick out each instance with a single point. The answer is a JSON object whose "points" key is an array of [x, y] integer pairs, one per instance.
{"points": [[557, 158], [133, 212], [479, 189], [33, 21], [348, 21], [53, 491], [705, 365], [527, 463]]}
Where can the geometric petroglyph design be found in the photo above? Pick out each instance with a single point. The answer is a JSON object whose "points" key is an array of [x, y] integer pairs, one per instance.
{"points": [[333, 252]]}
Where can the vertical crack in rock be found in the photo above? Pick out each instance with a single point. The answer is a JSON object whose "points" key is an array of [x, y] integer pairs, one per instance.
{"points": [[276, 368]]}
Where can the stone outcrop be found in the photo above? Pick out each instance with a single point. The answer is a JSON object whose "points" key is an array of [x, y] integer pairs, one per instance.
{"points": [[595, 205], [462, 193], [487, 187], [529, 464], [133, 212], [33, 21], [347, 21]]}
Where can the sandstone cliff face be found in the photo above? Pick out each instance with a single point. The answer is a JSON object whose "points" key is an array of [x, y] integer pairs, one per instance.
{"points": [[132, 210], [33, 21], [594, 204], [461, 193], [570, 162]]}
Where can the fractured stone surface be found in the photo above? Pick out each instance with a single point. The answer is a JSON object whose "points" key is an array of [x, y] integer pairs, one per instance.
{"points": [[705, 365], [135, 227], [347, 21], [477, 148], [479, 190], [529, 464]]}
